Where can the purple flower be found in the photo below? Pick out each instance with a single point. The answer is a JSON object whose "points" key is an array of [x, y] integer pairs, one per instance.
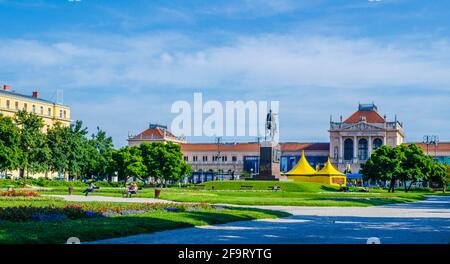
{"points": [[48, 217], [91, 214]]}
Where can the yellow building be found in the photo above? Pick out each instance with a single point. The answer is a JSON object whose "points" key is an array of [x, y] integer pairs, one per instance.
{"points": [[51, 112], [303, 172]]}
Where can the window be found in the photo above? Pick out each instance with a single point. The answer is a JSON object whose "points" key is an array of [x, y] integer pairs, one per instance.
{"points": [[42, 110], [205, 158], [185, 158], [224, 158], [34, 108], [362, 149], [49, 112], [64, 113], [7, 104], [377, 143], [25, 106], [60, 114], [195, 158], [215, 158], [16, 104], [348, 149], [234, 158]]}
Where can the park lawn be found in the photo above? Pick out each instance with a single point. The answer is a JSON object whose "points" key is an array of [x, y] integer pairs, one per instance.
{"points": [[91, 229], [294, 194]]}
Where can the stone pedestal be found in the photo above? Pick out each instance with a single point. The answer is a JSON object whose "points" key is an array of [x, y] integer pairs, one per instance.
{"points": [[269, 161]]}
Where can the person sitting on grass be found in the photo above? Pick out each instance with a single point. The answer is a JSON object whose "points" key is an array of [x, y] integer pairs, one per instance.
{"points": [[91, 188]]}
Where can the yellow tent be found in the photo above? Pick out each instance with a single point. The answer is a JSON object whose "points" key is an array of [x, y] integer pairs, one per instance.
{"points": [[303, 172], [335, 177], [302, 168]]}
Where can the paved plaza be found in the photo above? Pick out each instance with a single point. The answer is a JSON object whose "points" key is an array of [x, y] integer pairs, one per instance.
{"points": [[421, 222]]}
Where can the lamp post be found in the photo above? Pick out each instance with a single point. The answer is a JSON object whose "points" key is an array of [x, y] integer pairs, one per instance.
{"points": [[431, 140]]}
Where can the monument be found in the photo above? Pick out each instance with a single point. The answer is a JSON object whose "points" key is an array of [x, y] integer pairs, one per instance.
{"points": [[269, 152]]}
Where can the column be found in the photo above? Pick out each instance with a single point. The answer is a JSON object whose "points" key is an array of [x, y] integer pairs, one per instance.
{"points": [[369, 146], [341, 150], [355, 150]]}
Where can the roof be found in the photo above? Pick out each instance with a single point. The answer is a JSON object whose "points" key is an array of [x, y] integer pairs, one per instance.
{"points": [[153, 133], [370, 115], [292, 146], [442, 146], [329, 170], [302, 168], [23, 96], [252, 147]]}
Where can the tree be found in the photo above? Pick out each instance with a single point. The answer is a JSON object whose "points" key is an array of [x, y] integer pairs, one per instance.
{"points": [[128, 162], [69, 149], [415, 165], [164, 161], [98, 153], [441, 174], [10, 153], [32, 143], [384, 164]]}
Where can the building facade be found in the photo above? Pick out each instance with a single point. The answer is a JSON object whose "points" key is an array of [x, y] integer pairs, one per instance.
{"points": [[353, 140], [154, 133], [50, 112]]}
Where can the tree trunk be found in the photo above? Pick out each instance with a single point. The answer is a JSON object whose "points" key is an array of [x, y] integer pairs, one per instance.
{"points": [[392, 185], [406, 189], [410, 185]]}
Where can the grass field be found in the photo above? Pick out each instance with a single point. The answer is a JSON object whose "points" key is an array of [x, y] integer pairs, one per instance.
{"points": [[298, 194], [90, 229]]}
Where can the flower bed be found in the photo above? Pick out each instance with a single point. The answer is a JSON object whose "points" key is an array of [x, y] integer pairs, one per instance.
{"points": [[85, 210], [22, 193]]}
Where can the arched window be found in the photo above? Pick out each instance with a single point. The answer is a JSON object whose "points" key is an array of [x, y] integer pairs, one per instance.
{"points": [[348, 149], [362, 149], [377, 143]]}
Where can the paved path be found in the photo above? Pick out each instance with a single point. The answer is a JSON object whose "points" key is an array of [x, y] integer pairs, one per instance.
{"points": [[420, 222], [93, 198]]}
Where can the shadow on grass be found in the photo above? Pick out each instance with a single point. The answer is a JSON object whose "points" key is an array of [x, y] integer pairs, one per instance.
{"points": [[57, 232]]}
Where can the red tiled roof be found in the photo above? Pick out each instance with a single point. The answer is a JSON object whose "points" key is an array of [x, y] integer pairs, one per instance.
{"points": [[371, 117], [442, 146], [154, 133], [252, 147], [304, 146]]}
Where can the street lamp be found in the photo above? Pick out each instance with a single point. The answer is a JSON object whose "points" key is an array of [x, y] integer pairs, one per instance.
{"points": [[431, 140]]}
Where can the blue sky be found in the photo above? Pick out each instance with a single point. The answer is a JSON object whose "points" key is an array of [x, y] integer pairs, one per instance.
{"points": [[122, 64]]}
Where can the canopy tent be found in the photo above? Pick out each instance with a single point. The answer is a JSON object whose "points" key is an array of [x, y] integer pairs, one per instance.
{"points": [[329, 170], [302, 168]]}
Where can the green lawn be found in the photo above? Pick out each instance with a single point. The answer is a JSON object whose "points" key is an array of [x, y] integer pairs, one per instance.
{"points": [[298, 194], [90, 229]]}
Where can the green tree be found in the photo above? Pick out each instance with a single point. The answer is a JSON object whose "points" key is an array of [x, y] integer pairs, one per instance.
{"points": [[32, 143], [10, 153], [128, 162], [415, 165], [384, 164], [70, 149], [164, 161], [441, 175], [103, 148]]}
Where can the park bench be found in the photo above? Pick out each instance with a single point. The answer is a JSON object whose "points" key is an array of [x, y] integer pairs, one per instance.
{"points": [[246, 187]]}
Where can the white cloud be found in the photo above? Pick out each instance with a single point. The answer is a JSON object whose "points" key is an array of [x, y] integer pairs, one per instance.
{"points": [[304, 72]]}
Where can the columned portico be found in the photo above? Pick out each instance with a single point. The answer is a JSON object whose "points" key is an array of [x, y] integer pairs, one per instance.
{"points": [[354, 137]]}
